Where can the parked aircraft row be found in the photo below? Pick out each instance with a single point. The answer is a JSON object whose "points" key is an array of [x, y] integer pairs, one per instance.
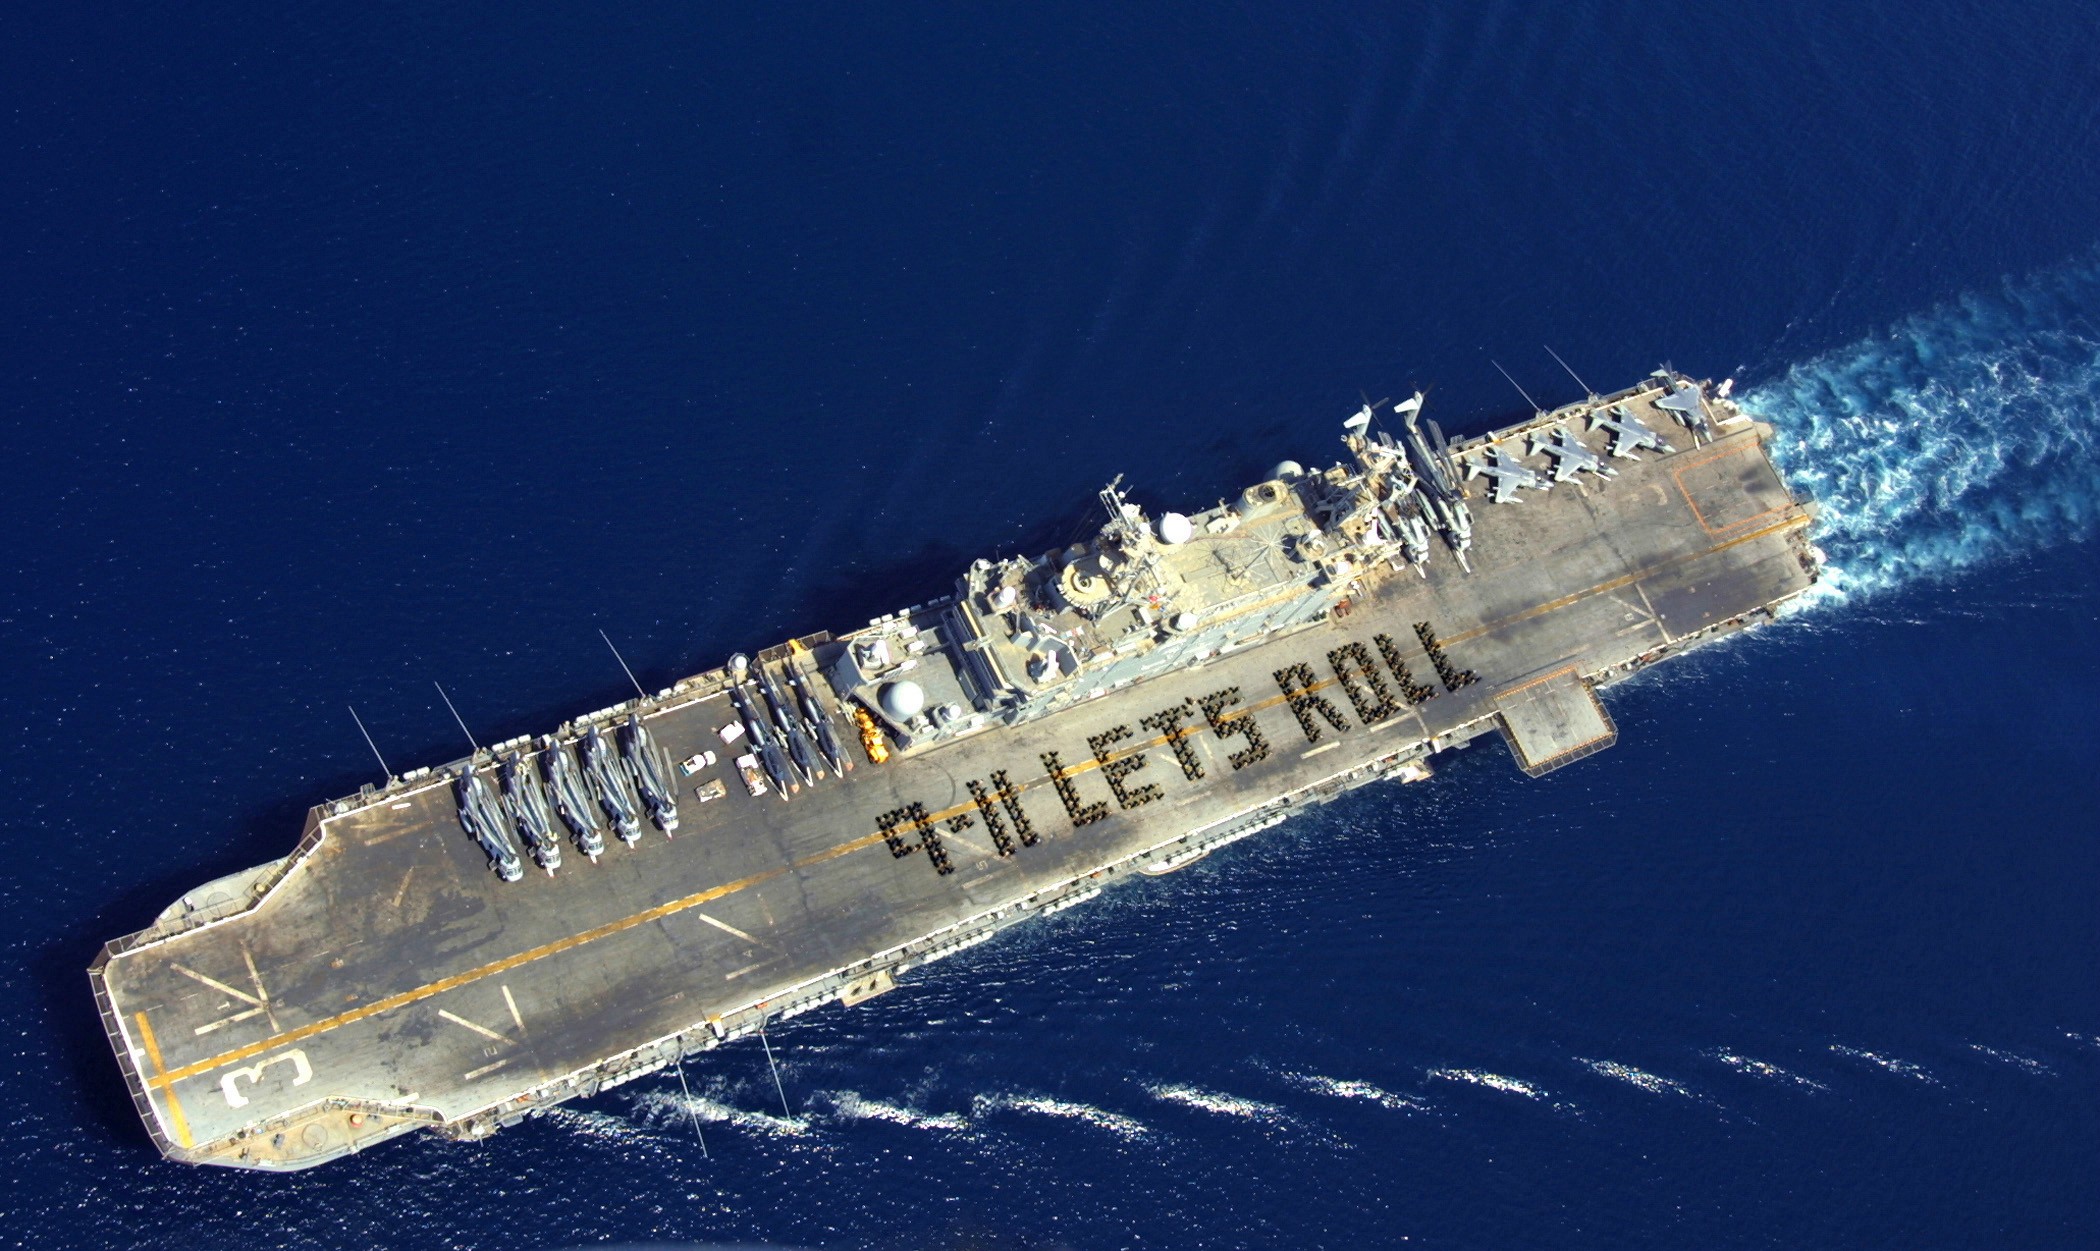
{"points": [[794, 739], [1567, 455], [613, 785]]}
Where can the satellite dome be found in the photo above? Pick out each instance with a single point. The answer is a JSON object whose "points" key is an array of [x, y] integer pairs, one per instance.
{"points": [[1175, 528], [902, 700], [1287, 469]]}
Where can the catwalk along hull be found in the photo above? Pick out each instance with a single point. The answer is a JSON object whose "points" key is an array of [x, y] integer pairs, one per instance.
{"points": [[381, 979]]}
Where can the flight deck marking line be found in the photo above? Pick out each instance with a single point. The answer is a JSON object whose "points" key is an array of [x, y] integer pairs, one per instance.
{"points": [[164, 1081], [181, 1122], [1677, 476], [484, 1070], [482, 1030], [225, 1021], [215, 984], [418, 994], [1525, 686], [727, 928], [512, 1004]]}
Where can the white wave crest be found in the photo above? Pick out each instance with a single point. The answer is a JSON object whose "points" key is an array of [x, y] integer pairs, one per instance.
{"points": [[663, 1107], [2013, 1059], [1903, 1068], [1214, 1101], [853, 1106], [1770, 1072], [1963, 434], [1493, 1081], [1653, 1083], [1040, 1105], [600, 1125], [1342, 1088]]}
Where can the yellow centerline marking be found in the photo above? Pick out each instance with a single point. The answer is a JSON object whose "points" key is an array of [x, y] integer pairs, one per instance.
{"points": [[181, 1122], [165, 1080]]}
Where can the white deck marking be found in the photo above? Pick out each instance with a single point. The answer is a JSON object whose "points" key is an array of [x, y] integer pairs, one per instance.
{"points": [[464, 1023], [484, 1070], [982, 850], [224, 1021], [727, 928], [401, 892], [1308, 755], [215, 984], [512, 1004], [751, 968], [262, 992]]}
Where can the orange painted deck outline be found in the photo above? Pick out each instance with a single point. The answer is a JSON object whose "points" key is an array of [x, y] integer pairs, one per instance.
{"points": [[1677, 476]]}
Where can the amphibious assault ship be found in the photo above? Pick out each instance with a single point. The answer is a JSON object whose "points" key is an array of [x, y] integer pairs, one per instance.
{"points": [[850, 807]]}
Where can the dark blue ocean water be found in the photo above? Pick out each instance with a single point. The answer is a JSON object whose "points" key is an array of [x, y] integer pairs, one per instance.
{"points": [[346, 348]]}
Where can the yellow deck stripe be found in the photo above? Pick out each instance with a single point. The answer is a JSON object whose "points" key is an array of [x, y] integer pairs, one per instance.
{"points": [[164, 1081], [181, 1122]]}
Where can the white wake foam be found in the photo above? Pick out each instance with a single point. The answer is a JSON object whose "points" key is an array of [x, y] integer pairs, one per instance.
{"points": [[853, 1106], [1342, 1088], [1903, 1068], [1653, 1083], [1962, 434], [1218, 1102], [1765, 1069], [1041, 1105], [1492, 1081], [603, 1126], [2013, 1059], [670, 1108]]}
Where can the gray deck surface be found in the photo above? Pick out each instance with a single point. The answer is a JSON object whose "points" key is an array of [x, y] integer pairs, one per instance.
{"points": [[391, 978], [1552, 720]]}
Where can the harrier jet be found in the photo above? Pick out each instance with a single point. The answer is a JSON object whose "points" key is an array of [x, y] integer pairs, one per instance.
{"points": [[1505, 477], [1628, 435], [1569, 455]]}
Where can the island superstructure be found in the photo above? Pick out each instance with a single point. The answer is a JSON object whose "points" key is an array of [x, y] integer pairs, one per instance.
{"points": [[801, 826]]}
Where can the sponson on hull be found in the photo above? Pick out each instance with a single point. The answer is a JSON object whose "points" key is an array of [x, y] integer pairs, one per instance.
{"points": [[850, 807]]}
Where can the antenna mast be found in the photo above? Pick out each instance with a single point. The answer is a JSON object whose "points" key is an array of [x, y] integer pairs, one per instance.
{"points": [[1520, 390], [623, 664], [456, 717], [368, 740], [1571, 373]]}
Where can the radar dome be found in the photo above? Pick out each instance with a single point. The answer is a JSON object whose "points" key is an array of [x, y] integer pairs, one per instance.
{"points": [[1175, 528], [1287, 469], [902, 700]]}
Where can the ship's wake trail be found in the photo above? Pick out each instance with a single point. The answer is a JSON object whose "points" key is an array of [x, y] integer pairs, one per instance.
{"points": [[1967, 433]]}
